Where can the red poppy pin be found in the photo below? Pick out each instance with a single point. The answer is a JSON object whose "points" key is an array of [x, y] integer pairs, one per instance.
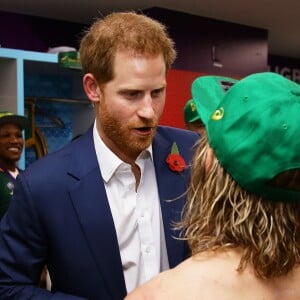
{"points": [[175, 160]]}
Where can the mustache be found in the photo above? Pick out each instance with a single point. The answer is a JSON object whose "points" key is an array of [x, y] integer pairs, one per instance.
{"points": [[144, 123]]}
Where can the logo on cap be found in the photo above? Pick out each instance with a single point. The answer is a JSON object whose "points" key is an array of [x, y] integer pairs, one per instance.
{"points": [[218, 114]]}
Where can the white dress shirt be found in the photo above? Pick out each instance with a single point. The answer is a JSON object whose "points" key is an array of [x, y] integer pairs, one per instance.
{"points": [[136, 214]]}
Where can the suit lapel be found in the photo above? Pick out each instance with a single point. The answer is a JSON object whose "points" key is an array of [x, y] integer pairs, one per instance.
{"points": [[171, 185], [93, 211]]}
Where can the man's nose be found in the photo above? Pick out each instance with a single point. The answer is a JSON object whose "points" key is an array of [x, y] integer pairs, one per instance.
{"points": [[14, 139], [146, 108]]}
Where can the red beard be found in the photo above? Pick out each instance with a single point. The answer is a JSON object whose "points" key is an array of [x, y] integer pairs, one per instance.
{"points": [[121, 135]]}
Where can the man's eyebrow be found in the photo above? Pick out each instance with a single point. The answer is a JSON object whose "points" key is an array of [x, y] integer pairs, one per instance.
{"points": [[129, 90], [132, 90], [160, 88]]}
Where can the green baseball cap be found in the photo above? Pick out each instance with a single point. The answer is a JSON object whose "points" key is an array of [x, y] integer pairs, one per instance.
{"points": [[190, 112], [254, 129], [9, 117]]}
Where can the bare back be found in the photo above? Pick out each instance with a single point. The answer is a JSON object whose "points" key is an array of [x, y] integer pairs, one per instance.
{"points": [[211, 276]]}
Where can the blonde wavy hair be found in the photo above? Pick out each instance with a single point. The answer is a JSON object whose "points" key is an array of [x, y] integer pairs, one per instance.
{"points": [[122, 31], [220, 214]]}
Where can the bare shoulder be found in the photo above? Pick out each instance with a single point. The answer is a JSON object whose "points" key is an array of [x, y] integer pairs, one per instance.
{"points": [[211, 276], [171, 284], [186, 281]]}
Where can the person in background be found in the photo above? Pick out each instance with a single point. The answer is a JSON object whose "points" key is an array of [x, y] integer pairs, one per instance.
{"points": [[192, 119], [11, 147], [99, 212], [242, 216]]}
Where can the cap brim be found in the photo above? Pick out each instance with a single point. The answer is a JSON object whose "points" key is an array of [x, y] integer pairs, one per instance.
{"points": [[208, 92], [196, 118], [21, 121]]}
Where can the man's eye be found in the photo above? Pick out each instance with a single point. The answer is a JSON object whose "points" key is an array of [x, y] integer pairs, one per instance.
{"points": [[156, 93], [133, 94]]}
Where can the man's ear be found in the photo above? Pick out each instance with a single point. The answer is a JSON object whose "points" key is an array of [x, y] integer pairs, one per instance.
{"points": [[91, 87]]}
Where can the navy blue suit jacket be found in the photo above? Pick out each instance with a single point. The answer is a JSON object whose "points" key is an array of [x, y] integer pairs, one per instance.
{"points": [[60, 216]]}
